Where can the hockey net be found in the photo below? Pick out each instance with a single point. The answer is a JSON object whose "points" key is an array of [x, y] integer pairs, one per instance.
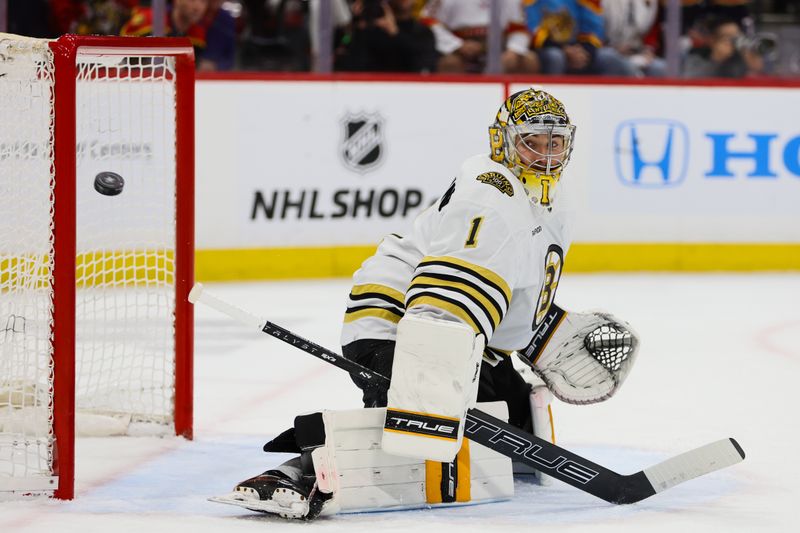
{"points": [[93, 311]]}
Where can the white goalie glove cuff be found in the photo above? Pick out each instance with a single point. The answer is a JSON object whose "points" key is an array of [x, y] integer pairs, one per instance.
{"points": [[582, 357]]}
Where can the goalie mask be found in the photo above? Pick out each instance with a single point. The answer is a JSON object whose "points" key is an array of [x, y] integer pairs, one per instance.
{"points": [[532, 136]]}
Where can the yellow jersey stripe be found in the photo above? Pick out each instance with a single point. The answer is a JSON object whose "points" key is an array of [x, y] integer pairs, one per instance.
{"points": [[394, 294], [451, 306], [499, 305], [484, 274], [484, 303]]}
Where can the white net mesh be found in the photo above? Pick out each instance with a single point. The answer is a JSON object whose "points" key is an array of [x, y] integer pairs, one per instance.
{"points": [[126, 243], [125, 264], [26, 253]]}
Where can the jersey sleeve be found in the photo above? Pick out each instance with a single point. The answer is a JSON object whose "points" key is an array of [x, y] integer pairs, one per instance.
{"points": [[469, 270], [376, 302]]}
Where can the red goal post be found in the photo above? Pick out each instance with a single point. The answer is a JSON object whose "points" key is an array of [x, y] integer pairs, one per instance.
{"points": [[94, 320]]}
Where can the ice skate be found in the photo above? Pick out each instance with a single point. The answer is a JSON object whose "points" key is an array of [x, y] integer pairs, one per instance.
{"points": [[276, 492]]}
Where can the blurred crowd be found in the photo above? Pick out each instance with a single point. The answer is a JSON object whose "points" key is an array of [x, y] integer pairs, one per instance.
{"points": [[718, 38]]}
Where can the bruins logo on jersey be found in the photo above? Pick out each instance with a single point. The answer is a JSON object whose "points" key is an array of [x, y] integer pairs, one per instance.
{"points": [[553, 265], [498, 181]]}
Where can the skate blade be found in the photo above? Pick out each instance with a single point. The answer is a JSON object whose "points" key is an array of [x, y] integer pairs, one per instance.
{"points": [[285, 503]]}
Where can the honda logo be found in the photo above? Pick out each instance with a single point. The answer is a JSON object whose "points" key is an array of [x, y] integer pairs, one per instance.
{"points": [[651, 153]]}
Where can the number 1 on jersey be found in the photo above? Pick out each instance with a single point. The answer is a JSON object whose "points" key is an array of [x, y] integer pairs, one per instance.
{"points": [[472, 238]]}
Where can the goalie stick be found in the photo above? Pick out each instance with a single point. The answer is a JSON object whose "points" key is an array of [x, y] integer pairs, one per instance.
{"points": [[519, 445]]}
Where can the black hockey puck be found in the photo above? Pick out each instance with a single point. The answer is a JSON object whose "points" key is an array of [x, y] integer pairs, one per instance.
{"points": [[109, 183]]}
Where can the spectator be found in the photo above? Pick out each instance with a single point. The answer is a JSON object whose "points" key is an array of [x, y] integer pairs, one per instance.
{"points": [[220, 27], [104, 17], [65, 14], [736, 10], [568, 36], [694, 15], [753, 54], [182, 19], [461, 28], [30, 18], [385, 37], [276, 35], [720, 58], [627, 22]]}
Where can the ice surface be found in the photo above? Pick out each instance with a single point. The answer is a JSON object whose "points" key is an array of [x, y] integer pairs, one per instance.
{"points": [[720, 358]]}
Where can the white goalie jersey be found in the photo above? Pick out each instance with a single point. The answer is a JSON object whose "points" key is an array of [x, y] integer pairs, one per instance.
{"points": [[483, 255]]}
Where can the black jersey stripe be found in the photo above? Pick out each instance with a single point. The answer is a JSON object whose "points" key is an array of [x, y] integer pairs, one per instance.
{"points": [[484, 274], [493, 319], [356, 308], [464, 281], [377, 296], [387, 291], [372, 311], [450, 305]]}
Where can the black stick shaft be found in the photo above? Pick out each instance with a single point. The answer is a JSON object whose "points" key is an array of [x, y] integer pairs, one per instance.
{"points": [[326, 355], [502, 437], [512, 442]]}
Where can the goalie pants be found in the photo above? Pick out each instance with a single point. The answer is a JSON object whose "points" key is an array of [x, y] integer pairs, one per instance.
{"points": [[500, 382]]}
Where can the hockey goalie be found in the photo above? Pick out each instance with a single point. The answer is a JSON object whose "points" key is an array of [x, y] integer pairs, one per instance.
{"points": [[444, 311]]}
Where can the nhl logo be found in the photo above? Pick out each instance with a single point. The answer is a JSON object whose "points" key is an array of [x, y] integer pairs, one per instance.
{"points": [[362, 148]]}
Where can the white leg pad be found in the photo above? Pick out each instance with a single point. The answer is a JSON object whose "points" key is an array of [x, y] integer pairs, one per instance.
{"points": [[435, 376], [362, 477]]}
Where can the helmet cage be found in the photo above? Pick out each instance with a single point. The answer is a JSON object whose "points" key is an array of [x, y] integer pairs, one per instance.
{"points": [[532, 136], [545, 147], [539, 171]]}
